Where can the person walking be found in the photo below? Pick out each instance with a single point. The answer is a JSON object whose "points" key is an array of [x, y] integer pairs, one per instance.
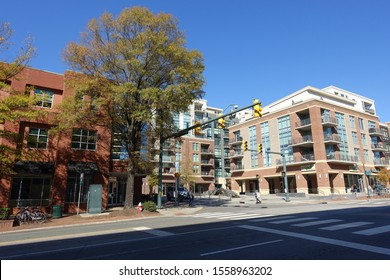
{"points": [[258, 197]]}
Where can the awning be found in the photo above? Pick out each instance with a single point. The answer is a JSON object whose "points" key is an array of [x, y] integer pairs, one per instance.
{"points": [[83, 167], [34, 167]]}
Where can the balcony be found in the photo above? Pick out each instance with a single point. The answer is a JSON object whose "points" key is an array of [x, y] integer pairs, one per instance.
{"points": [[304, 124], [328, 121], [236, 167], [291, 160], [207, 163], [382, 162], [378, 147], [332, 139], [303, 141], [236, 140], [206, 152], [341, 158], [207, 173], [236, 154], [375, 132]]}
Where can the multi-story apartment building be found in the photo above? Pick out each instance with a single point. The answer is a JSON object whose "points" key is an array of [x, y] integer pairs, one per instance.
{"points": [[330, 139]]}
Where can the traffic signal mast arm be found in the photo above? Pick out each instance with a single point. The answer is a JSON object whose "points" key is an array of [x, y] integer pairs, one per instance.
{"points": [[199, 124]]}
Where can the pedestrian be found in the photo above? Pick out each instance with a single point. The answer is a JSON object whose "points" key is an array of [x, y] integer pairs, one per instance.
{"points": [[190, 197], [258, 197]]}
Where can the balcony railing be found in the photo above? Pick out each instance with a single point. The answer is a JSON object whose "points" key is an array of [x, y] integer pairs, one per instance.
{"points": [[296, 159], [236, 140], [236, 167], [332, 138], [326, 120], [381, 161], [375, 131], [303, 123], [301, 140], [341, 157], [378, 146]]}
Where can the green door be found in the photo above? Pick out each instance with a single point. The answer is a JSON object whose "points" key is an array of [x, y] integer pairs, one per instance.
{"points": [[95, 199]]}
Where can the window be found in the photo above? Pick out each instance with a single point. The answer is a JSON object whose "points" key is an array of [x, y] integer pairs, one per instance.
{"points": [[364, 141], [37, 138], [195, 157], [195, 146], [366, 156], [265, 140], [361, 124], [253, 146], [84, 139], [44, 98], [27, 191], [195, 169], [357, 154], [352, 121], [285, 136], [354, 137]]}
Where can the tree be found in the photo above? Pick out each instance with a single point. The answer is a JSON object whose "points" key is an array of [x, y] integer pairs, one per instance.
{"points": [[383, 176], [14, 106], [136, 69]]}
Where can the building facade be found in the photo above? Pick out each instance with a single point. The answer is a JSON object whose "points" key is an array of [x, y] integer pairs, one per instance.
{"points": [[330, 139]]}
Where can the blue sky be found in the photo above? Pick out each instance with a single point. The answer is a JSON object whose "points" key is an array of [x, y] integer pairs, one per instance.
{"points": [[263, 49]]}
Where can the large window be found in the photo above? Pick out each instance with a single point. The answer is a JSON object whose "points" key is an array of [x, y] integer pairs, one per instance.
{"points": [[285, 136], [30, 191], [253, 146], [84, 139], [44, 98], [37, 138], [266, 143], [342, 132]]}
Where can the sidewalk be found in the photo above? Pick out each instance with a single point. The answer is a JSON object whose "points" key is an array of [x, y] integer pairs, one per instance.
{"points": [[182, 208]]}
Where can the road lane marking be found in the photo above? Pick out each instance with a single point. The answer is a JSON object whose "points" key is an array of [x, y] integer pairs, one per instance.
{"points": [[154, 231], [373, 231], [239, 248], [315, 223], [345, 226], [270, 219], [341, 243], [292, 220]]}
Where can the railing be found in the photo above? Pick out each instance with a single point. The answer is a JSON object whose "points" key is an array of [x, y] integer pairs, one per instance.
{"points": [[332, 137], [375, 131], [301, 140], [341, 157], [236, 167], [236, 139], [328, 120], [296, 159], [303, 122]]}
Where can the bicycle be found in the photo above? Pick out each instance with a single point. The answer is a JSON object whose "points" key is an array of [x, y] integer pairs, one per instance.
{"points": [[27, 215]]}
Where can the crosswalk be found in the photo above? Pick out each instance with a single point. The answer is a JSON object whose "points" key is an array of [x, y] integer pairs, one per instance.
{"points": [[357, 227]]}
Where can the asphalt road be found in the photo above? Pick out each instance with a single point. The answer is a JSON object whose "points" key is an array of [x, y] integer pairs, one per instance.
{"points": [[353, 230]]}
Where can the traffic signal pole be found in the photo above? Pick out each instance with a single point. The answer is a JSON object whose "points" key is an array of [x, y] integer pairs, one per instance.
{"points": [[182, 133]]}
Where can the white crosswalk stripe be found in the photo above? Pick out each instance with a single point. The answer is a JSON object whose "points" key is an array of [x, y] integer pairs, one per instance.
{"points": [[286, 221], [315, 223], [345, 226], [233, 216], [373, 231]]}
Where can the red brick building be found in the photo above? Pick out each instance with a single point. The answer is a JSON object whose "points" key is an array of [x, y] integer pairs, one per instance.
{"points": [[52, 165]]}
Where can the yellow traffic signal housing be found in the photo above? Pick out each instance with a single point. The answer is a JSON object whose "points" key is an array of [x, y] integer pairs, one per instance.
{"points": [[260, 148], [221, 122], [257, 109], [198, 130], [245, 145]]}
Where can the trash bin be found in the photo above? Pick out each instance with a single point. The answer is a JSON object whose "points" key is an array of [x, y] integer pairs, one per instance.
{"points": [[57, 211]]}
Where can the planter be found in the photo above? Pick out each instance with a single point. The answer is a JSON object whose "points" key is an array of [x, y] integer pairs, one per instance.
{"points": [[6, 224]]}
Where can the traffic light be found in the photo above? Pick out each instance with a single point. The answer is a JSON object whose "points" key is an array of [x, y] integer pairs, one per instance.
{"points": [[257, 109], [198, 129], [260, 148], [221, 122], [245, 145]]}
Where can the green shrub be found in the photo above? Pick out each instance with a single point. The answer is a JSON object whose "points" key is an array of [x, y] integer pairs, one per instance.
{"points": [[4, 213], [150, 206]]}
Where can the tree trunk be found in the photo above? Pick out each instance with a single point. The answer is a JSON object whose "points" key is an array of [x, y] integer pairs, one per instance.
{"points": [[129, 200]]}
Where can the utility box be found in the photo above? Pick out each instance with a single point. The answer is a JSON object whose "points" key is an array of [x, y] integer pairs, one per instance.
{"points": [[95, 199]]}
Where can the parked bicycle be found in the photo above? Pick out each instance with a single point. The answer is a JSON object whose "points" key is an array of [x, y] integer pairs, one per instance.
{"points": [[30, 215]]}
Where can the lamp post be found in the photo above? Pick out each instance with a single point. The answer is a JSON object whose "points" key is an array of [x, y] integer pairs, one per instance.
{"points": [[284, 173]]}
